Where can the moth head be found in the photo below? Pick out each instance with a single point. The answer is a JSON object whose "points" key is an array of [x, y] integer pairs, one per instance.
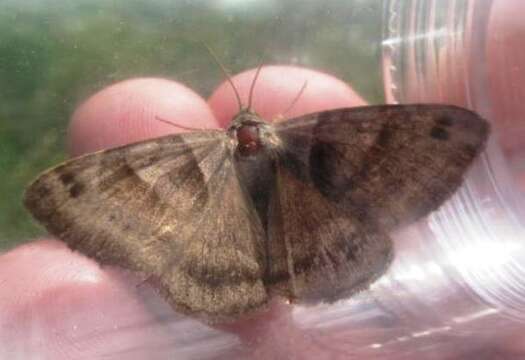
{"points": [[251, 134]]}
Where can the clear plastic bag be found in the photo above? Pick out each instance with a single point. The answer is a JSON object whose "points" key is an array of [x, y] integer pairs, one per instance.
{"points": [[455, 289]]}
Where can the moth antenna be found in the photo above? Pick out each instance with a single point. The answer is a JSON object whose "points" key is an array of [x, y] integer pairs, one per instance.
{"points": [[259, 67], [226, 74], [296, 98], [144, 281], [252, 86], [176, 125]]}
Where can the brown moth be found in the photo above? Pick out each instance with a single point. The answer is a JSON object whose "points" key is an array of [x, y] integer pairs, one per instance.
{"points": [[221, 221]]}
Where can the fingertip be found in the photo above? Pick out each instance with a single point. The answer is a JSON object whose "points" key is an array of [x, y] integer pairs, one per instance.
{"points": [[506, 74], [64, 299], [276, 89], [56, 264], [127, 112]]}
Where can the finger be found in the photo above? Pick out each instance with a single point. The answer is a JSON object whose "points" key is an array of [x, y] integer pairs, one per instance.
{"points": [[62, 305], [506, 76], [276, 89], [505, 54], [127, 112]]}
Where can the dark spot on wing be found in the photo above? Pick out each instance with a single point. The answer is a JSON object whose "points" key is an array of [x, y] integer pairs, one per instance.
{"points": [[439, 133], [471, 150], [322, 165], [66, 178], [122, 171], [218, 276], [329, 170], [147, 161], [42, 190], [384, 136], [297, 167], [444, 120], [76, 190]]}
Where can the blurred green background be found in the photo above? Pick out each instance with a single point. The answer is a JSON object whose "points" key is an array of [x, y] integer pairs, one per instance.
{"points": [[53, 54]]}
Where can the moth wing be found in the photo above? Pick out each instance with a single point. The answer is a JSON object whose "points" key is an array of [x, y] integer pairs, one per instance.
{"points": [[317, 252], [388, 164], [171, 208]]}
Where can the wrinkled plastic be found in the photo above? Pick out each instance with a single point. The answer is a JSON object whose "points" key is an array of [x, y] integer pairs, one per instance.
{"points": [[458, 283]]}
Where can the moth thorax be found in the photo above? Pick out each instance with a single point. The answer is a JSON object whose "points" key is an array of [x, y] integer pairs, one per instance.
{"points": [[249, 140]]}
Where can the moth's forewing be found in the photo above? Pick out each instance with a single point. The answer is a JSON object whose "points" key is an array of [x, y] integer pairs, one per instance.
{"points": [[389, 164], [171, 208]]}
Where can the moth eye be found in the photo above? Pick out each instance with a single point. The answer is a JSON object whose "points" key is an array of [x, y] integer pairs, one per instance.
{"points": [[249, 140], [247, 134]]}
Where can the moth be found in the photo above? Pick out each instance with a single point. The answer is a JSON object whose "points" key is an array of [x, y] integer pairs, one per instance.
{"points": [[220, 221]]}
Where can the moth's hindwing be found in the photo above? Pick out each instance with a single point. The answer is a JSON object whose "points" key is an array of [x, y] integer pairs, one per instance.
{"points": [[317, 252]]}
